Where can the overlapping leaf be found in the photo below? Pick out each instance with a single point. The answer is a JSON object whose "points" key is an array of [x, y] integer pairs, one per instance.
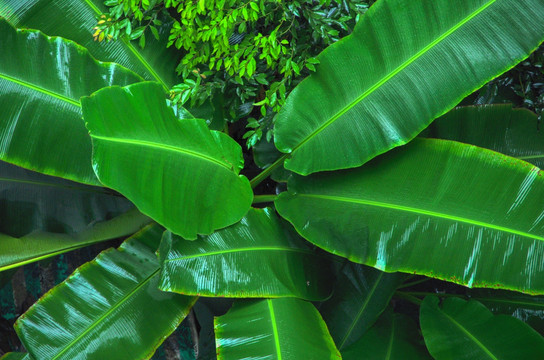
{"points": [[287, 329], [109, 308], [393, 337], [75, 20], [183, 175], [405, 63], [41, 81], [360, 295], [434, 207], [257, 257], [513, 132], [460, 330], [16, 356]]}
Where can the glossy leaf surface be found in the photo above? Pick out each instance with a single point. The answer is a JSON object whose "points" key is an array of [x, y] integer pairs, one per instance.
{"points": [[181, 174], [75, 20], [33, 202], [110, 308], [459, 329], [273, 329], [41, 81], [406, 63], [433, 207], [393, 337], [513, 132], [360, 295], [258, 257]]}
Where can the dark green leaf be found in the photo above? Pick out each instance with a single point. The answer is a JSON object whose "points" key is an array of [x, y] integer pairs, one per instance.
{"points": [[434, 207], [287, 329], [42, 79], [109, 308], [460, 330], [379, 87], [180, 173], [258, 257], [360, 295]]}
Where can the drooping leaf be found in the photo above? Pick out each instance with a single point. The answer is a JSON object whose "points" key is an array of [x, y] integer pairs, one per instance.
{"points": [[75, 20], [406, 63], [527, 308], [460, 329], [181, 174], [16, 356], [287, 329], [258, 257], [41, 81], [33, 202], [15, 252], [109, 308], [513, 132], [434, 207], [393, 337], [360, 295]]}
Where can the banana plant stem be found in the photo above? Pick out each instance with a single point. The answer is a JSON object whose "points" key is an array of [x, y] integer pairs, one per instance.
{"points": [[413, 283], [266, 172], [258, 199]]}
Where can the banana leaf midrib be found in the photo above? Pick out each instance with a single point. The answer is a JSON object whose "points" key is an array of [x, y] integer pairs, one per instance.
{"points": [[98, 190], [245, 249], [423, 212], [361, 310], [503, 301], [390, 75], [274, 328], [41, 89], [144, 143], [391, 339], [529, 157], [133, 50], [108, 312], [470, 336]]}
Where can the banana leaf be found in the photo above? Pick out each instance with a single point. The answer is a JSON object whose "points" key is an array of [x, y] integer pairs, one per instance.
{"points": [[109, 308], [16, 356], [287, 329], [180, 173], [32, 202], [459, 329], [41, 81], [438, 208], [393, 337], [76, 19], [513, 132], [527, 308], [15, 252], [406, 63], [360, 295], [258, 257]]}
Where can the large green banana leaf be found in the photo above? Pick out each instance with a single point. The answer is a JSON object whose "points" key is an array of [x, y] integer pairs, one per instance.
{"points": [[15, 252], [467, 330], [360, 295], [514, 132], [75, 20], [41, 81], [16, 356], [393, 337], [109, 308], [33, 202], [258, 257], [406, 63], [433, 207], [281, 329], [180, 173]]}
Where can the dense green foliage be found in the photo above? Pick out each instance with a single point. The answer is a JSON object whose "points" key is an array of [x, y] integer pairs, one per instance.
{"points": [[348, 262]]}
